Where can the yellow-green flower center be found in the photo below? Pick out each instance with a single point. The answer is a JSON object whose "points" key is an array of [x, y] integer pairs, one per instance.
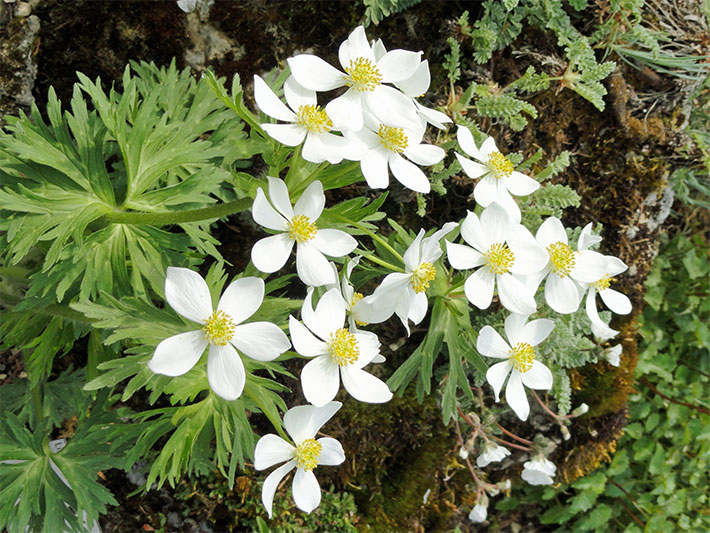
{"points": [[219, 328], [362, 76], [561, 257], [393, 139], [500, 166], [343, 347], [603, 283], [314, 119], [499, 258], [522, 357], [301, 229], [307, 454], [422, 276]]}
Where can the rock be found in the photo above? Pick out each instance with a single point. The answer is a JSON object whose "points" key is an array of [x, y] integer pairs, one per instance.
{"points": [[23, 9], [18, 65]]}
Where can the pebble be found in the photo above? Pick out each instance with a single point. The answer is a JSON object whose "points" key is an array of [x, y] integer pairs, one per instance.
{"points": [[23, 9]]}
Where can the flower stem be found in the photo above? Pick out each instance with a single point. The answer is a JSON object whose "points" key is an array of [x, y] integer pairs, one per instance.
{"points": [[513, 435], [375, 259], [177, 217], [373, 235]]}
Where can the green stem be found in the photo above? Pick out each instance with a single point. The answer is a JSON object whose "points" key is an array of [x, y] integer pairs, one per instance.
{"points": [[177, 217], [373, 235], [375, 259]]}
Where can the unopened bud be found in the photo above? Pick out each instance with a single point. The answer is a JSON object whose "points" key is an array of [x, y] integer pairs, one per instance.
{"points": [[504, 485], [475, 419], [579, 411], [463, 453], [565, 432]]}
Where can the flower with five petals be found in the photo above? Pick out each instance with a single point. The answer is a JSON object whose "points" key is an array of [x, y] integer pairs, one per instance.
{"points": [[539, 471]]}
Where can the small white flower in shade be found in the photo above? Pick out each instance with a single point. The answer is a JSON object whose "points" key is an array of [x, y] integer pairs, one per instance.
{"points": [[492, 453], [223, 330], [337, 353], [384, 151], [520, 361], [613, 355], [478, 514], [297, 225], [566, 269], [302, 423], [365, 76], [499, 179], [539, 471], [499, 249], [308, 123], [415, 86], [404, 293]]}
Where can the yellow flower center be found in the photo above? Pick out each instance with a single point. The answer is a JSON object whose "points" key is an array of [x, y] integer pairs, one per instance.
{"points": [[422, 276], [393, 139], [500, 166], [362, 76], [307, 454], [343, 347], [499, 258], [522, 357], [603, 283], [301, 229], [219, 328], [314, 119], [561, 257]]}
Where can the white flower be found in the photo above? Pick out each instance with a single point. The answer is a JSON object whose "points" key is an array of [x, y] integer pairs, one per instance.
{"points": [[337, 353], [302, 423], [404, 293], [187, 6], [492, 453], [539, 471], [223, 329], [566, 268], [500, 179], [384, 151], [500, 248], [297, 225], [613, 354], [365, 76], [307, 121], [520, 362], [478, 514]]}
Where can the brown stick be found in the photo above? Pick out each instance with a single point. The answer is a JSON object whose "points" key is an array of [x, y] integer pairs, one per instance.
{"points": [[699, 408]]}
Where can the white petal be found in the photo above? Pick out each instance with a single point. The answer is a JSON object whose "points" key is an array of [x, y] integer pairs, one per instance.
{"points": [[364, 387], [304, 342], [537, 331], [514, 327], [514, 295], [600, 329], [486, 192], [242, 298], [306, 491], [188, 294], [479, 287], [278, 194], [418, 305], [312, 267], [550, 232], [374, 168], [617, 302], [425, 154], [463, 257], [408, 174], [334, 242], [487, 148], [398, 65], [587, 238], [346, 111], [530, 256], [614, 265], [332, 453], [269, 103], [271, 253], [225, 372], [359, 45], [270, 450], [369, 346], [561, 294], [271, 483], [265, 215], [304, 421], [491, 344], [588, 266], [176, 355], [418, 83], [515, 396], [495, 223], [473, 233], [507, 202], [520, 185], [321, 147], [472, 169], [432, 116], [393, 108], [431, 245], [311, 202], [468, 145], [496, 375], [288, 134], [297, 95], [538, 377], [320, 380], [262, 341], [330, 311], [378, 48], [313, 73]]}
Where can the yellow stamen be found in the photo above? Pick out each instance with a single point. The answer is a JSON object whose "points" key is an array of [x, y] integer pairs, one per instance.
{"points": [[562, 258], [355, 299], [307, 454], [603, 283], [500, 166], [343, 347], [301, 229], [314, 119], [522, 357], [362, 76], [499, 258], [422, 276], [219, 328], [393, 139]]}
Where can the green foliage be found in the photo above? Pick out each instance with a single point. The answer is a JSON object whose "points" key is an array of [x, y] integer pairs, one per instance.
{"points": [[377, 10]]}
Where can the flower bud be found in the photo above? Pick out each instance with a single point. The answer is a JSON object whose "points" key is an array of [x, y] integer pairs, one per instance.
{"points": [[579, 411]]}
